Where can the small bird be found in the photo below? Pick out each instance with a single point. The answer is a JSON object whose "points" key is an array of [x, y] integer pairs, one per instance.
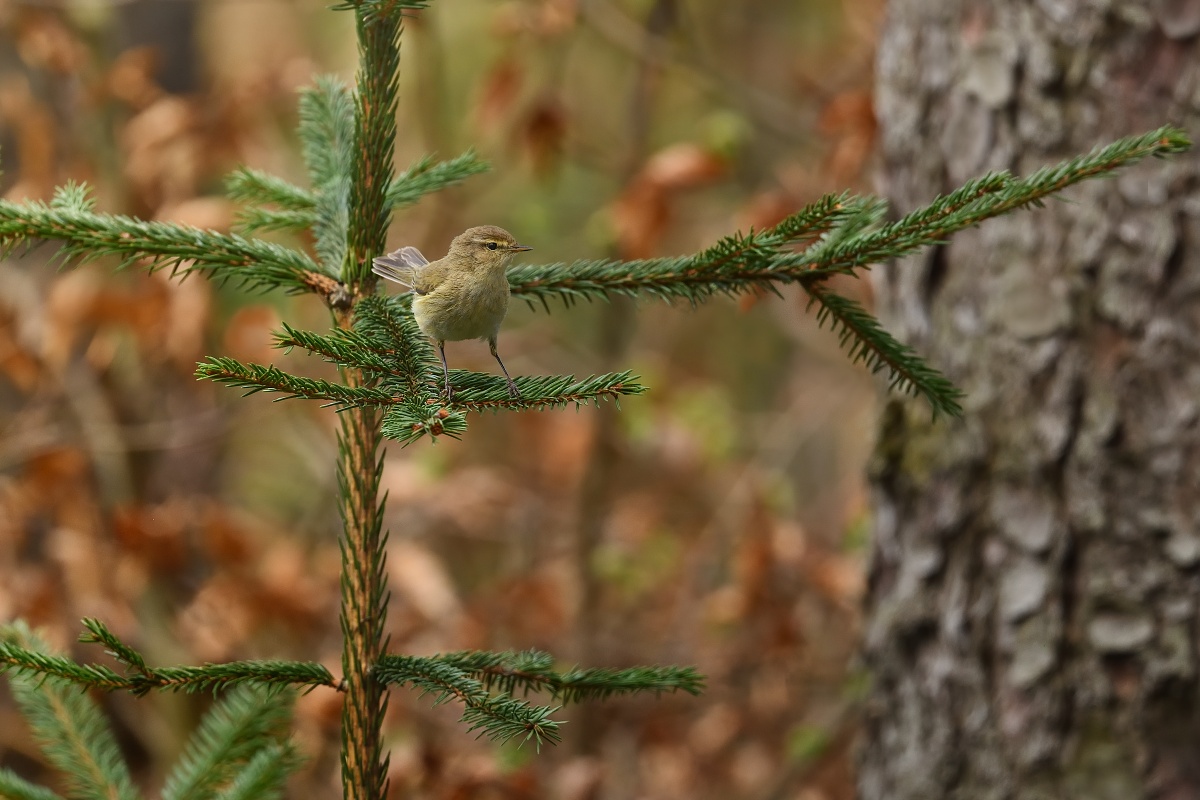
{"points": [[461, 296]]}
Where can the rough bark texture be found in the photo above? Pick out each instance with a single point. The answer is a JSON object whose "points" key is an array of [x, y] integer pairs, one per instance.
{"points": [[1032, 610]]}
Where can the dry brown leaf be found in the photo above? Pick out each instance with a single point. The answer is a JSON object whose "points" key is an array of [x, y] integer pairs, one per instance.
{"points": [[716, 727], [541, 132], [667, 772], [207, 212], [643, 211], [838, 578], [44, 41], [682, 166], [286, 588], [248, 334], [418, 575], [579, 779], [557, 17], [498, 92], [186, 320], [36, 133], [218, 620], [18, 364], [157, 534], [640, 216], [849, 120], [164, 152], [545, 19], [223, 538], [532, 607], [131, 78], [559, 445]]}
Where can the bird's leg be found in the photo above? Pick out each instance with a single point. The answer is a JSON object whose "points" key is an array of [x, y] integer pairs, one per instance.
{"points": [[512, 387], [445, 371]]}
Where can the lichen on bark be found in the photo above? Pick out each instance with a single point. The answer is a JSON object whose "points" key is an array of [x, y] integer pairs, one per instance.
{"points": [[1033, 591]]}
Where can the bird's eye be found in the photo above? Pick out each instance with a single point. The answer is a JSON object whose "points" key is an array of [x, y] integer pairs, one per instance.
{"points": [[491, 245]]}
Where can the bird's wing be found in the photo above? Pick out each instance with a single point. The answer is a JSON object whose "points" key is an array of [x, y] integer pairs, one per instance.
{"points": [[401, 266]]}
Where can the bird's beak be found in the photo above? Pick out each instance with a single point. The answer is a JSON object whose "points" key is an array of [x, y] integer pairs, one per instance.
{"points": [[519, 248]]}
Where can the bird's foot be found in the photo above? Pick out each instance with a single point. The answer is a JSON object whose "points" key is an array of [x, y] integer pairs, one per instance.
{"points": [[513, 391]]}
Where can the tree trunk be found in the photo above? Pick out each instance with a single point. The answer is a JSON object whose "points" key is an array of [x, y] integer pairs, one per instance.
{"points": [[1032, 607]]}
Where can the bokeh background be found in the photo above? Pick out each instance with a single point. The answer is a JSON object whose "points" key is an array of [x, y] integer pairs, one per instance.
{"points": [[718, 520]]}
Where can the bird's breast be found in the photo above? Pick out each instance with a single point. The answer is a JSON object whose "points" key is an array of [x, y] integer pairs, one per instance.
{"points": [[463, 309]]}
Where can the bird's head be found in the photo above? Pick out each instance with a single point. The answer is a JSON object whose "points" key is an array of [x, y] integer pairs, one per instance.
{"points": [[485, 246]]}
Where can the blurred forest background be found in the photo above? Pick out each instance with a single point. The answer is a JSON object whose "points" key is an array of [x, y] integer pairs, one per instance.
{"points": [[718, 520]]}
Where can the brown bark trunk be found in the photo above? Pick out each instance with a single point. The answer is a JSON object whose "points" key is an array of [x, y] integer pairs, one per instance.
{"points": [[1033, 591]]}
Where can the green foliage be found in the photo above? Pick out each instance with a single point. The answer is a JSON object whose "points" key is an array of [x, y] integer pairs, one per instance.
{"points": [[532, 670], [500, 718], [427, 176], [263, 775], [405, 376], [87, 236], [248, 726], [260, 378], [327, 133], [296, 208], [14, 787], [258, 189], [32, 660], [470, 677], [846, 236], [68, 726]]}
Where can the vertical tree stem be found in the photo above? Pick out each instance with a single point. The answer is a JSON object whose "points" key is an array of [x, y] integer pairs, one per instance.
{"points": [[364, 599], [364, 766]]}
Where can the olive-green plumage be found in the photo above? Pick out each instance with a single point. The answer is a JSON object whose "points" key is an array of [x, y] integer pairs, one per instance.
{"points": [[461, 296]]}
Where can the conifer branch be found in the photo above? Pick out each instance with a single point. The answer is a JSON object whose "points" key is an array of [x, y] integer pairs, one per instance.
{"points": [[257, 219], [262, 778], [248, 722], [86, 235], [865, 340], [387, 345], [264, 378], [327, 133], [498, 717], [68, 725], [211, 677], [740, 262], [736, 264], [378, 28], [141, 679], [385, 325], [848, 242], [427, 175], [342, 347], [993, 195], [532, 670], [258, 189], [246, 185], [73, 197], [14, 787], [297, 207], [373, 10], [479, 391], [406, 423], [17, 659]]}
